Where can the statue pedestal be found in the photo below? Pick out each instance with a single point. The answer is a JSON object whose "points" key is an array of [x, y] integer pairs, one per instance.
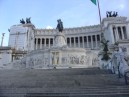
{"points": [[59, 40]]}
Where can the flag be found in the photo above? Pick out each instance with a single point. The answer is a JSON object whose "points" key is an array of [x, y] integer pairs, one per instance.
{"points": [[93, 1]]}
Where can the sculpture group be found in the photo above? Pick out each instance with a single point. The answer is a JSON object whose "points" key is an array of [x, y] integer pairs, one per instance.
{"points": [[111, 14], [22, 21]]}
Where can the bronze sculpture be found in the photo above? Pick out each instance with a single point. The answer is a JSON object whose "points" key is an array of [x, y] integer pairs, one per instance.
{"points": [[110, 14], [28, 20], [22, 21], [60, 25]]}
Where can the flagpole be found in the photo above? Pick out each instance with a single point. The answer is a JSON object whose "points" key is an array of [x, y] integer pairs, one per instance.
{"points": [[99, 12], [102, 34]]}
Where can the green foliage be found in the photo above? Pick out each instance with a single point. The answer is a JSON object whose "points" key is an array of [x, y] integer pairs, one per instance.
{"points": [[105, 57], [105, 53]]}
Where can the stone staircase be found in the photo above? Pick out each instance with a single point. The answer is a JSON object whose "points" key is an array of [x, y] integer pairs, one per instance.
{"points": [[83, 82]]}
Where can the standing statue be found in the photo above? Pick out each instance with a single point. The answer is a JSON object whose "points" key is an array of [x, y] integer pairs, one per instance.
{"points": [[119, 61], [22, 21], [59, 25], [28, 20]]}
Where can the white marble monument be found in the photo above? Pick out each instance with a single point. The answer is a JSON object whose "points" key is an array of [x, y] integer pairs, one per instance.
{"points": [[70, 43], [58, 56]]}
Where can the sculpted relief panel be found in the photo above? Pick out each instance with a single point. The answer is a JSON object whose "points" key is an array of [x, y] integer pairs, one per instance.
{"points": [[39, 60], [55, 57], [75, 59], [46, 59]]}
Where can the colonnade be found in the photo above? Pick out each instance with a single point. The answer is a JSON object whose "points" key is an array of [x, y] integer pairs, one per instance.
{"points": [[43, 42], [120, 33], [89, 41]]}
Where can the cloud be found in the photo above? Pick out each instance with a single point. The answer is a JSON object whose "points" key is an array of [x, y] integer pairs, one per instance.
{"points": [[122, 6], [49, 27]]}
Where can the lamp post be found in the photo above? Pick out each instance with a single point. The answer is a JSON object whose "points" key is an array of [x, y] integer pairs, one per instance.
{"points": [[2, 39]]}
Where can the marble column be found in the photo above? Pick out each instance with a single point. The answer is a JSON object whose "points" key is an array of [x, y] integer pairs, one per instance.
{"points": [[49, 42], [122, 33], [127, 30], [79, 42], [69, 41], [83, 42], [87, 42], [96, 41], [44, 42], [74, 41], [40, 43], [66, 40], [117, 35], [91, 42], [36, 43]]}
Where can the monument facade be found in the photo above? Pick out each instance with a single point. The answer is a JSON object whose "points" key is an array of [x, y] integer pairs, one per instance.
{"points": [[85, 40], [59, 55]]}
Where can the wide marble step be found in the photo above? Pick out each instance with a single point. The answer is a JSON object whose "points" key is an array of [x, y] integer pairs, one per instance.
{"points": [[73, 71], [91, 82], [61, 81], [61, 92]]}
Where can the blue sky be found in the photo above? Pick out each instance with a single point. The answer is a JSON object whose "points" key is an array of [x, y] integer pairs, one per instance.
{"points": [[44, 13]]}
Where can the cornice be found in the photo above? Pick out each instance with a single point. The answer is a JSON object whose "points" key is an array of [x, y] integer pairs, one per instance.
{"points": [[117, 22], [76, 30], [115, 19]]}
